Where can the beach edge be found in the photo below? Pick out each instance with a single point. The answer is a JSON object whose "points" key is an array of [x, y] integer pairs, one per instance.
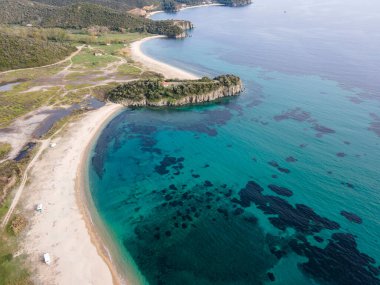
{"points": [[94, 225], [100, 238], [151, 64]]}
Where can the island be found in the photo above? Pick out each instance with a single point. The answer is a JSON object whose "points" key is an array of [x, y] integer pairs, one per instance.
{"points": [[174, 92]]}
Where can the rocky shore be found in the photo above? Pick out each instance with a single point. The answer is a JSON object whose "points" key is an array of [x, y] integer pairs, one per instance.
{"points": [[160, 93], [222, 92]]}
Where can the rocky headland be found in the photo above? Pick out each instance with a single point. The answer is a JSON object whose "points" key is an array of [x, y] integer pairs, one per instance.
{"points": [[158, 93]]}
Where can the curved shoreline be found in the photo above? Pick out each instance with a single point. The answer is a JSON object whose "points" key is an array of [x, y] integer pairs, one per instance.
{"points": [[94, 226], [185, 8], [100, 236], [69, 228], [152, 64], [64, 229], [106, 248]]}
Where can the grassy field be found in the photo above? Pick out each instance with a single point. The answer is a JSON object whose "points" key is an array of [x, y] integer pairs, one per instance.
{"points": [[128, 69], [13, 266], [15, 103], [87, 60], [80, 74], [12, 269], [32, 74], [5, 148], [109, 38]]}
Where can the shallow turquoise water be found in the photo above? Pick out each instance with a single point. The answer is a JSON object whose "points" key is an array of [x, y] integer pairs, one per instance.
{"points": [[277, 186]]}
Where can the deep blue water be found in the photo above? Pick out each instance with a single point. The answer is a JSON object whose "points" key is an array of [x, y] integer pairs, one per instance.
{"points": [[278, 186]]}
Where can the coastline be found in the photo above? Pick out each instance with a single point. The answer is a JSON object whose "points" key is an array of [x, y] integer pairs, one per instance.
{"points": [[185, 8], [63, 229], [95, 228], [100, 237], [69, 228], [157, 66]]}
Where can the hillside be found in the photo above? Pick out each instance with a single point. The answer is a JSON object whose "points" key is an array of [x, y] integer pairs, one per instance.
{"points": [[175, 92], [79, 16], [168, 5], [20, 52], [114, 4]]}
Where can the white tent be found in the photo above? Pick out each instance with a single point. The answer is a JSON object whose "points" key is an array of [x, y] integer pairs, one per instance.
{"points": [[47, 258]]}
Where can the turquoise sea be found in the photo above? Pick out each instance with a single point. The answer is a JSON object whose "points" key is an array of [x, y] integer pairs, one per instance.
{"points": [[280, 185]]}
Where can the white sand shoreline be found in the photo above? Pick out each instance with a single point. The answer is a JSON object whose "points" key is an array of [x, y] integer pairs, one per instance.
{"points": [[63, 229], [154, 65], [69, 228], [123, 271], [185, 8]]}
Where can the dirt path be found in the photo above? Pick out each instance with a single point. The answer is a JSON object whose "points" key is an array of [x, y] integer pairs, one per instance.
{"points": [[106, 71], [44, 145], [52, 64]]}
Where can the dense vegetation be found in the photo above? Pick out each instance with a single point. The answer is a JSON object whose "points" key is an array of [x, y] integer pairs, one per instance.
{"points": [[26, 9], [155, 90], [168, 5], [12, 265], [19, 52], [114, 4], [79, 16]]}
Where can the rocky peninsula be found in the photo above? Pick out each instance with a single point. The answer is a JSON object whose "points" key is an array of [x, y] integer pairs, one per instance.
{"points": [[184, 26], [159, 93]]}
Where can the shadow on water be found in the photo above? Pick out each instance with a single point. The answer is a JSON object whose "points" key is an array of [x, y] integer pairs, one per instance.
{"points": [[58, 114], [25, 150]]}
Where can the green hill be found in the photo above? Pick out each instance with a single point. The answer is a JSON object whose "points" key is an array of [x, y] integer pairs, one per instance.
{"points": [[79, 16], [168, 5], [20, 52], [155, 92], [114, 4]]}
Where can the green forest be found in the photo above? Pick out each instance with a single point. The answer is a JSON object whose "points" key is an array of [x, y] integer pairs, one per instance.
{"points": [[18, 51], [78, 16], [155, 90], [168, 5]]}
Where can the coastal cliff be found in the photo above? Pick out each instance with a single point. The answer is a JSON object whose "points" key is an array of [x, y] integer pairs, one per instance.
{"points": [[175, 93], [235, 3], [188, 100], [184, 26]]}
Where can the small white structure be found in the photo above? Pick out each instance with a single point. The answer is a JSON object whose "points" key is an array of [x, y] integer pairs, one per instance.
{"points": [[108, 44], [39, 208], [47, 258], [29, 25], [98, 54], [53, 144]]}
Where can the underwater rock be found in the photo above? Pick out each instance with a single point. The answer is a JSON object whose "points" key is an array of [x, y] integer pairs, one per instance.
{"points": [[351, 217], [280, 190]]}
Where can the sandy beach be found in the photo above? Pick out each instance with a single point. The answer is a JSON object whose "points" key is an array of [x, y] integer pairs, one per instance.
{"points": [[61, 229], [154, 65], [185, 8], [66, 228]]}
